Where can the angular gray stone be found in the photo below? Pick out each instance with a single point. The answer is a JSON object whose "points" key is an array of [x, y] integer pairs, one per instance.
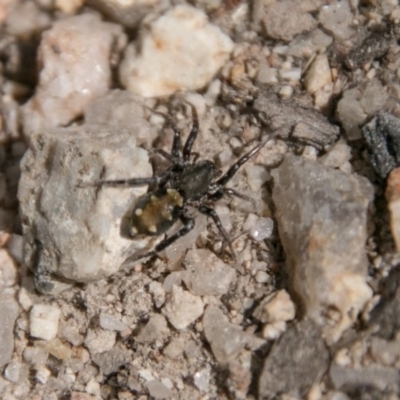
{"points": [[299, 359], [226, 340], [8, 314], [77, 233], [322, 220]]}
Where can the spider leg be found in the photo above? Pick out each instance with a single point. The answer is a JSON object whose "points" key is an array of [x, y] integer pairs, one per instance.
{"points": [[188, 225], [132, 182], [164, 154], [234, 168], [210, 212], [220, 193], [187, 149]]}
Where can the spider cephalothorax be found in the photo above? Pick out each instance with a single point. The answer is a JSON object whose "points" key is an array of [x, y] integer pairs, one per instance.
{"points": [[187, 182]]}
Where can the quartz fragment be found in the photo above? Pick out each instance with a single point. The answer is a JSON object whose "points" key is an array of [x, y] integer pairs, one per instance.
{"points": [[336, 18], [8, 270], [182, 308], [44, 321], [278, 307], [180, 50], [206, 274], [73, 231], [322, 216], [99, 340], [393, 199], [75, 58], [8, 314], [295, 362], [318, 75]]}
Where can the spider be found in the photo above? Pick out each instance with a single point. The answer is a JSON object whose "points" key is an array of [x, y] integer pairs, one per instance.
{"points": [[187, 182]]}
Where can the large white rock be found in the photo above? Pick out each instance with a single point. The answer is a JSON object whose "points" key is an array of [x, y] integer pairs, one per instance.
{"points": [[74, 56], [180, 50]]}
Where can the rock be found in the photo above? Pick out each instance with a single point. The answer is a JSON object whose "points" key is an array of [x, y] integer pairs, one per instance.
{"points": [[226, 340], [178, 51], [157, 390], [75, 58], [9, 310], [337, 156], [155, 329], [110, 361], [285, 19], [318, 75], [322, 222], [385, 317], [357, 104], [290, 117], [99, 341], [382, 135], [73, 232], [123, 110], [308, 44], [8, 270], [201, 379], [44, 321], [274, 308], [336, 18], [372, 376], [111, 322], [206, 274], [393, 199], [128, 12], [182, 308], [297, 361]]}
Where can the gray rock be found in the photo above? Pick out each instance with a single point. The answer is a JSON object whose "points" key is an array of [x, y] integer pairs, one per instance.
{"points": [[285, 19], [297, 361], [8, 314], [155, 329], [322, 220], [110, 361], [157, 390], [302, 123], [226, 340], [372, 375], [72, 232]]}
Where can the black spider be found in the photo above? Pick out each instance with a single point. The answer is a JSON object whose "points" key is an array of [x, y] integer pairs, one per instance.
{"points": [[186, 183]]}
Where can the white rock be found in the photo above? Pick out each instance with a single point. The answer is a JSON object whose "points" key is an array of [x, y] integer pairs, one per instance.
{"points": [[42, 374], [75, 58], [12, 371], [182, 308], [262, 229], [273, 331], [278, 307], [318, 75], [111, 322], [44, 321], [24, 299], [99, 341], [337, 156], [180, 50]]}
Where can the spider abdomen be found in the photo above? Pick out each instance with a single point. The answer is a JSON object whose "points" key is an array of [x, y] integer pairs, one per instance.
{"points": [[156, 212]]}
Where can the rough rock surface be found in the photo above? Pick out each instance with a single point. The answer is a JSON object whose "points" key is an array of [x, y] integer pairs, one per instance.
{"points": [[322, 218], [178, 51], [74, 55], [297, 361], [54, 203]]}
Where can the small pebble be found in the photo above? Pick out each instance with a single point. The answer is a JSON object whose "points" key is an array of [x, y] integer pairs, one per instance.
{"points": [[44, 321]]}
